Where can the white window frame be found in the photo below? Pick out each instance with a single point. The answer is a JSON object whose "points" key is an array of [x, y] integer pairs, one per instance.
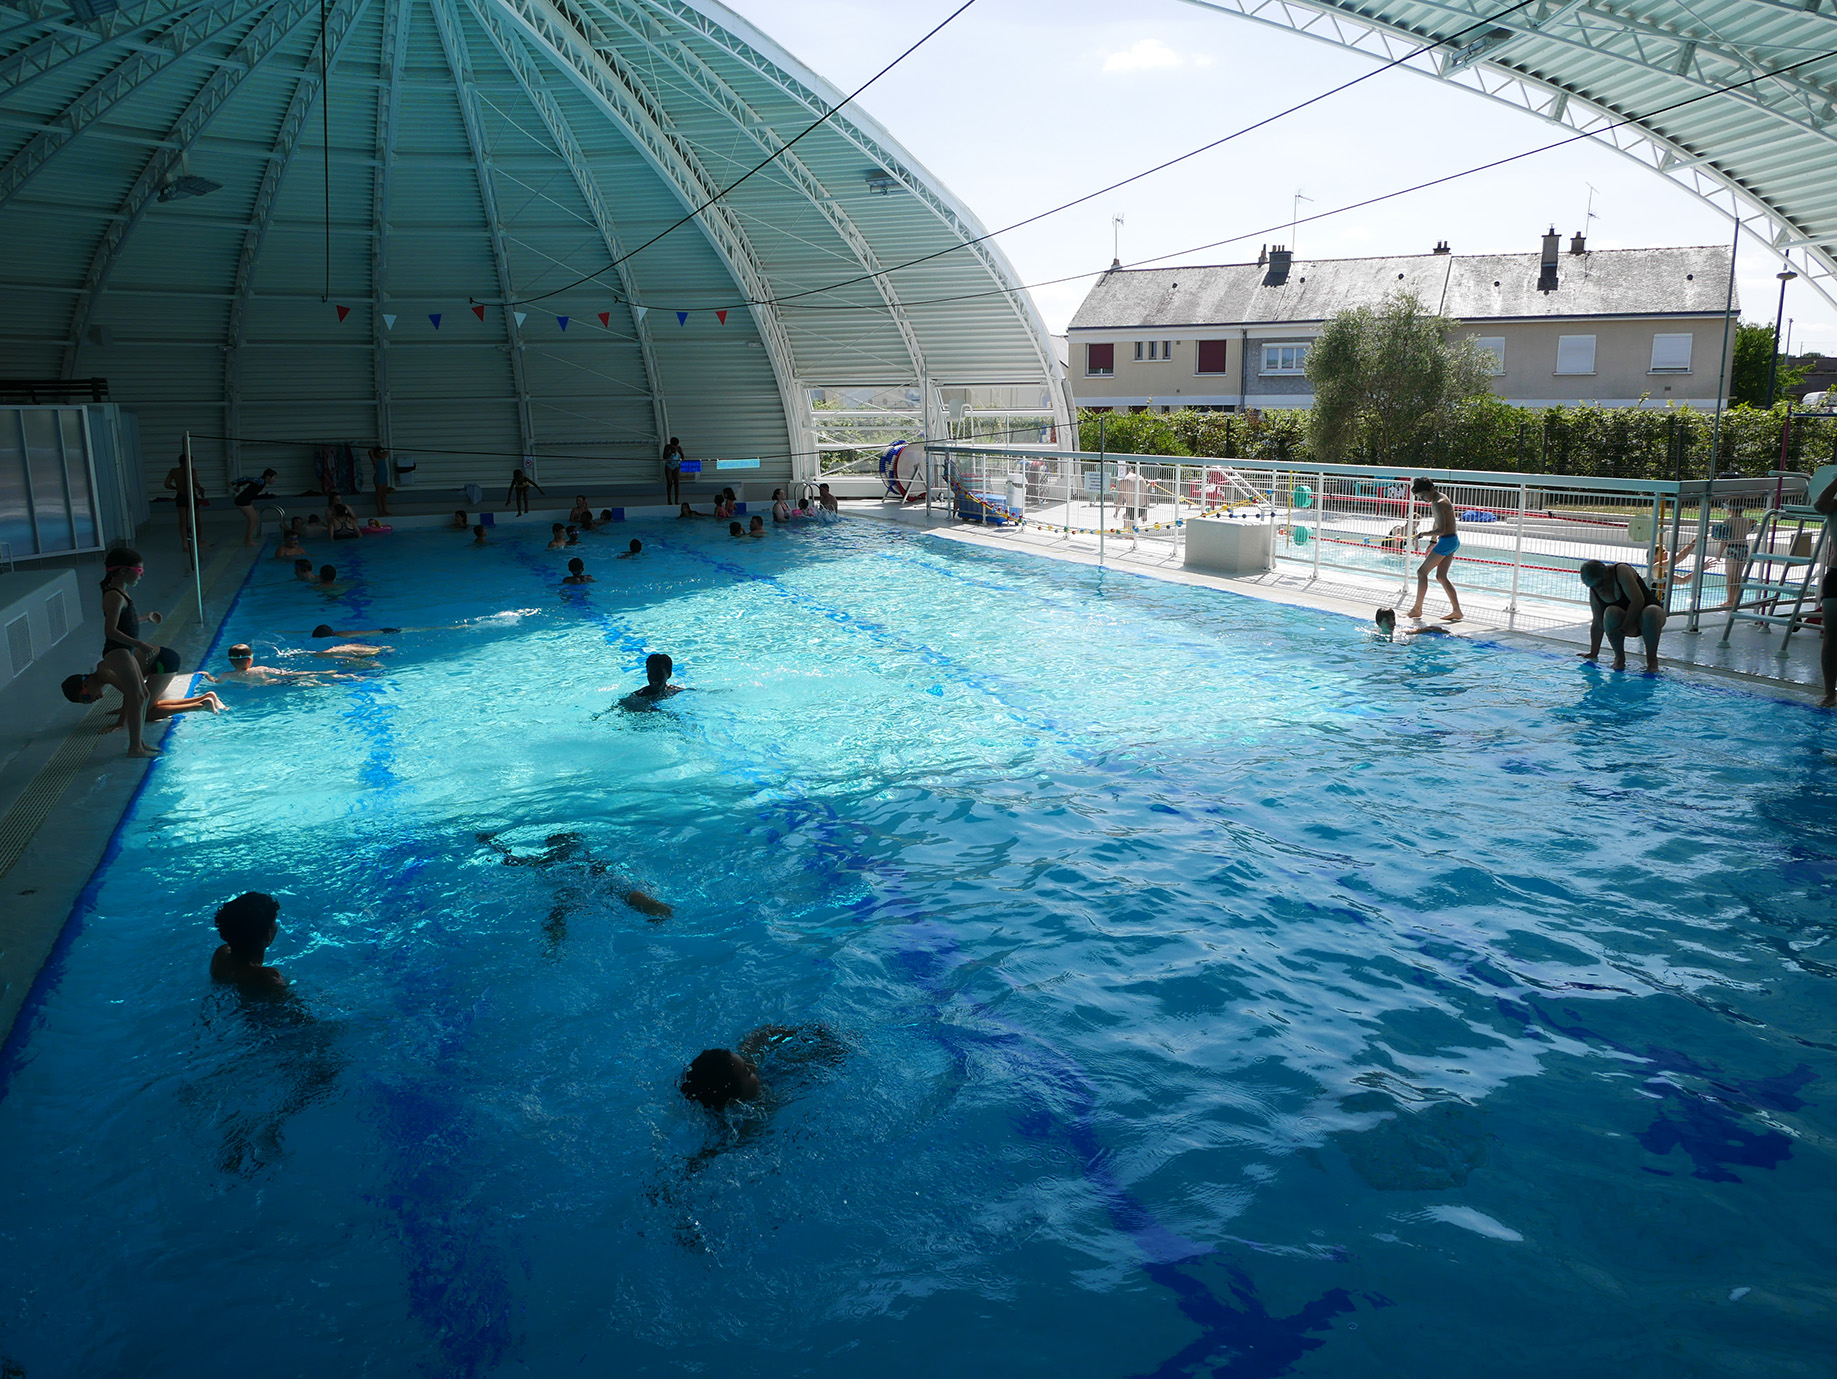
{"points": [[1658, 367], [1089, 372], [1563, 344], [1495, 346], [1167, 350], [1139, 356], [1300, 366]]}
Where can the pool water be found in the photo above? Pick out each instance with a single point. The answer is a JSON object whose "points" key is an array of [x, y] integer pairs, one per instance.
{"points": [[1217, 992]]}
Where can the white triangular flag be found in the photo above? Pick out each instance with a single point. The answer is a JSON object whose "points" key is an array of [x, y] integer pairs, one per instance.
{"points": [[388, 321], [639, 311], [522, 316]]}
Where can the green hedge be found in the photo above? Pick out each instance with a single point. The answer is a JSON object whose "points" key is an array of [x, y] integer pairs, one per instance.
{"points": [[1597, 442]]}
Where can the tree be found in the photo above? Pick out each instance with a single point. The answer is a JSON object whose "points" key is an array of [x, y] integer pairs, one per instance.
{"points": [[1748, 374], [1388, 379]]}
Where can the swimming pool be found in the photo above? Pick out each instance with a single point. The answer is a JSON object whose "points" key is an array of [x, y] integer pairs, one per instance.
{"points": [[1221, 993]]}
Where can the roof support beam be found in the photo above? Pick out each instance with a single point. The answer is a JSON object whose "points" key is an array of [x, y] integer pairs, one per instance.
{"points": [[190, 33], [623, 97], [339, 21], [272, 30], [775, 67], [689, 66], [529, 77], [397, 16], [471, 110]]}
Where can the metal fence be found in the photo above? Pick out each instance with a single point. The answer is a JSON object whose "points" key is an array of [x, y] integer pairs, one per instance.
{"points": [[1523, 536]]}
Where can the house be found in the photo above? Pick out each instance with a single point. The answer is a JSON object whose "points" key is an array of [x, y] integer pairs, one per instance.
{"points": [[1619, 327]]}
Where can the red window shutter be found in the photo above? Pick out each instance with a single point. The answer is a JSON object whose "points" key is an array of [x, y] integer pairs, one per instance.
{"points": [[1211, 356], [1100, 359]]}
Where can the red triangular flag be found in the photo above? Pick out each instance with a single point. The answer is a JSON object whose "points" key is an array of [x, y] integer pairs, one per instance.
{"points": [[479, 312], [721, 316], [343, 311], [606, 319]]}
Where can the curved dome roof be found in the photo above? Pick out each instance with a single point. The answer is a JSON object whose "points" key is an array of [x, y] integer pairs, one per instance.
{"points": [[171, 224], [1702, 87]]}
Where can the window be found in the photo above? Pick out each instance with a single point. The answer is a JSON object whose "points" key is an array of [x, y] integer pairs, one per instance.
{"points": [[1495, 346], [1671, 353], [1285, 358], [1211, 356], [1575, 354], [1167, 349], [1100, 360], [1139, 348]]}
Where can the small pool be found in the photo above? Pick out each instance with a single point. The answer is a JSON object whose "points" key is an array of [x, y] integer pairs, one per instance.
{"points": [[1219, 993]]}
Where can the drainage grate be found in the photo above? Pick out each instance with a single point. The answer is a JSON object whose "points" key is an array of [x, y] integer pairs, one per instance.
{"points": [[55, 615], [19, 643]]}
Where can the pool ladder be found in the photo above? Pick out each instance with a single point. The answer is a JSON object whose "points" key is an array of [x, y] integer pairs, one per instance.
{"points": [[1762, 592]]}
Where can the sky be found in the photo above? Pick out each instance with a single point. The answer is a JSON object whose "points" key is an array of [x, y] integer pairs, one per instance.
{"points": [[1019, 105]]}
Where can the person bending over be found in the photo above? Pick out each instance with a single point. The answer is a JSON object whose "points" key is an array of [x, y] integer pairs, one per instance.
{"points": [[1619, 602], [577, 572], [248, 925], [248, 493], [1440, 555], [518, 494], [119, 669], [558, 536], [636, 548]]}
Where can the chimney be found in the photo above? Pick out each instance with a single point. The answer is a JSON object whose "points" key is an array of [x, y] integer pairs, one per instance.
{"points": [[1578, 245], [1115, 264], [1262, 256], [1277, 274], [1546, 277], [1441, 246]]}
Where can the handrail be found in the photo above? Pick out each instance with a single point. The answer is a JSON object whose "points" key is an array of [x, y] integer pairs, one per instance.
{"points": [[1500, 478]]}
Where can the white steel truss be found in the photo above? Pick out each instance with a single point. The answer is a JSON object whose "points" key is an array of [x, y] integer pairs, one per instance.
{"points": [[1795, 104]]}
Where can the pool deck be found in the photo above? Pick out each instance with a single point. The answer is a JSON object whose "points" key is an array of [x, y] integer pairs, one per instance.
{"points": [[1750, 658]]}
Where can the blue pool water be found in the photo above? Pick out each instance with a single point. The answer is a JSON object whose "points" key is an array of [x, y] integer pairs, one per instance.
{"points": [[1219, 993]]}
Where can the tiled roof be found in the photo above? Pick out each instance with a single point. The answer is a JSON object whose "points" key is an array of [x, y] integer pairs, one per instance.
{"points": [[1478, 287]]}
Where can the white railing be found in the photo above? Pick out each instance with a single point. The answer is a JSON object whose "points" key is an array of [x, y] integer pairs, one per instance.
{"points": [[1523, 536]]}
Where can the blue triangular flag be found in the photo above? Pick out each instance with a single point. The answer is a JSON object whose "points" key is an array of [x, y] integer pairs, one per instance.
{"points": [[434, 316], [562, 321], [682, 318]]}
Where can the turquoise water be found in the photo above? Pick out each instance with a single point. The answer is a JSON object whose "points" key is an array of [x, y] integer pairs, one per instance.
{"points": [[1219, 993]]}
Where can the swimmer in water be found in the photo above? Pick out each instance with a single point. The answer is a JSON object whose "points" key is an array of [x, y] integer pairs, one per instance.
{"points": [[717, 1078], [577, 572], [735, 529], [303, 569], [756, 527], [478, 535], [361, 653], [568, 848], [1386, 622], [290, 546], [637, 548], [248, 925], [328, 576], [244, 669], [657, 687], [460, 522], [558, 537]]}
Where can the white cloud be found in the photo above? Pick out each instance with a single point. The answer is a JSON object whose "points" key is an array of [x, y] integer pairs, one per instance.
{"points": [[1145, 55]]}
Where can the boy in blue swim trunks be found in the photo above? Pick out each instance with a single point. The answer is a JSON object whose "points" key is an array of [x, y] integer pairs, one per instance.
{"points": [[1443, 544]]}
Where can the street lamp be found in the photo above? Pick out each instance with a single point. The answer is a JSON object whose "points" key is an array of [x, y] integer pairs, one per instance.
{"points": [[1785, 275]]}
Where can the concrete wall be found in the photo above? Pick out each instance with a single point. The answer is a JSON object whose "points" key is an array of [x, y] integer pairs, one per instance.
{"points": [[1622, 374]]}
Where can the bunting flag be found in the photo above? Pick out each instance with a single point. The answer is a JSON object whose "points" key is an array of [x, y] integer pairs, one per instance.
{"points": [[639, 311], [434, 316], [388, 321], [721, 316], [343, 312], [563, 322], [478, 311], [682, 318], [522, 316], [606, 319]]}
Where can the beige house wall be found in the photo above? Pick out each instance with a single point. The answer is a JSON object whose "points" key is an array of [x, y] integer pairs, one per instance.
{"points": [[1622, 375]]}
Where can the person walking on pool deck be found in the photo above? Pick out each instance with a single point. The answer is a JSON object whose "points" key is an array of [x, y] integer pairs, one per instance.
{"points": [[247, 925], [520, 485], [1441, 554], [1620, 602], [248, 493], [672, 471]]}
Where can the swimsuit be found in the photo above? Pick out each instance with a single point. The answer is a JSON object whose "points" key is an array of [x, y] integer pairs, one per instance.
{"points": [[1446, 545], [127, 624], [248, 490]]}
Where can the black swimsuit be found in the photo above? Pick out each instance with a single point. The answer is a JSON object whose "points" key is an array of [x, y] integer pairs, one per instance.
{"points": [[127, 624], [248, 490], [1623, 601]]}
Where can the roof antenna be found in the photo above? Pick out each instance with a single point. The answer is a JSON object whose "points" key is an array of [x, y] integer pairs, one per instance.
{"points": [[1116, 240], [1294, 213], [1589, 213]]}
